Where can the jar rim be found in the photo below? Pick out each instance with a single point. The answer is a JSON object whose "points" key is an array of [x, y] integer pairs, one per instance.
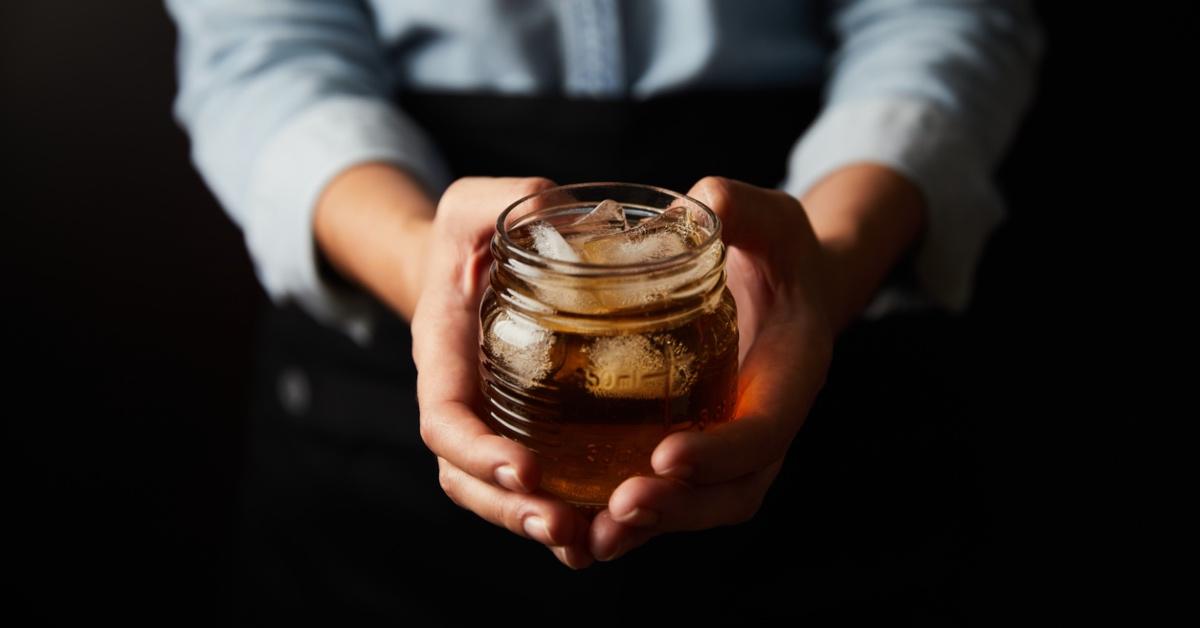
{"points": [[536, 258]]}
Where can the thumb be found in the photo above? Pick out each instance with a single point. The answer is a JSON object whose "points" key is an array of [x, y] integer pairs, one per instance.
{"points": [[743, 209]]}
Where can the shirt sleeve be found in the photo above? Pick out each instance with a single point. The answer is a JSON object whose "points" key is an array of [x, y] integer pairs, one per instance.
{"points": [[934, 89], [278, 97]]}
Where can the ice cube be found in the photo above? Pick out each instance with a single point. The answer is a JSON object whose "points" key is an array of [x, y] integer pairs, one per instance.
{"points": [[633, 250], [637, 366], [674, 220], [549, 243], [665, 235], [607, 217], [524, 348]]}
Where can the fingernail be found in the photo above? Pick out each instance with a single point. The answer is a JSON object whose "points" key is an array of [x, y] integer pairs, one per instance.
{"points": [[569, 556], [681, 472], [604, 558], [536, 528], [616, 551], [564, 555], [640, 517], [506, 476]]}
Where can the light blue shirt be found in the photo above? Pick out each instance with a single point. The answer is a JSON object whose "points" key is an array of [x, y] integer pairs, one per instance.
{"points": [[279, 96]]}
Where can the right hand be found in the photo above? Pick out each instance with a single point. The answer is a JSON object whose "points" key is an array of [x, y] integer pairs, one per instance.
{"points": [[481, 471]]}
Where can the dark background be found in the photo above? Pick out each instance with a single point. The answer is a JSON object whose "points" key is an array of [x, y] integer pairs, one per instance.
{"points": [[135, 307]]}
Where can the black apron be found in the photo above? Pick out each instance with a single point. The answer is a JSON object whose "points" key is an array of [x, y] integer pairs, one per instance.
{"points": [[876, 513]]}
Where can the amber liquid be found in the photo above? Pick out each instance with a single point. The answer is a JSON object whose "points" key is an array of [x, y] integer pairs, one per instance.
{"points": [[600, 405]]}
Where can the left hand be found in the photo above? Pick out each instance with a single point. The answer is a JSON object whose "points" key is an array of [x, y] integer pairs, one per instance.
{"points": [[719, 476]]}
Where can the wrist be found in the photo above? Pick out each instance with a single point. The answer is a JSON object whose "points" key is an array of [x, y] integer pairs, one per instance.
{"points": [[371, 225], [866, 217]]}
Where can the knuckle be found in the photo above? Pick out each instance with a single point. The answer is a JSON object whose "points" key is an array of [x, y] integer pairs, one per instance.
{"points": [[510, 515], [754, 493], [749, 505], [718, 189], [448, 199], [532, 185], [446, 480], [417, 346], [476, 454], [780, 435], [457, 187], [785, 198], [427, 432]]}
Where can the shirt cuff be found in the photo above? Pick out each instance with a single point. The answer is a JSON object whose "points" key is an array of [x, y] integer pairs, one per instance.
{"points": [[287, 179], [921, 141]]}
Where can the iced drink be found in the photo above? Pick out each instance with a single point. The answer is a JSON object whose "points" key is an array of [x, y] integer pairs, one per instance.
{"points": [[625, 335]]}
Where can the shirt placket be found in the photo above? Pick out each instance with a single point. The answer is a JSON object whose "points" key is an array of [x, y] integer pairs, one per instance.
{"points": [[594, 64]]}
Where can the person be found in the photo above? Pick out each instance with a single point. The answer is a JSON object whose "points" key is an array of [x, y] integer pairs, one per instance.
{"points": [[356, 145]]}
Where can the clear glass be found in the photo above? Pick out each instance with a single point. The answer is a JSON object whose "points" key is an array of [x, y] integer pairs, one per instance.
{"points": [[592, 365]]}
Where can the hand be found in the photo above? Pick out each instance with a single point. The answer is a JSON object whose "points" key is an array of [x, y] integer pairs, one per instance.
{"points": [[719, 476], [492, 476]]}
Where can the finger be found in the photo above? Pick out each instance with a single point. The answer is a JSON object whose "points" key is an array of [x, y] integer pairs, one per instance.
{"points": [[476, 202], [446, 389], [778, 383], [611, 540], [573, 556], [538, 517], [643, 507], [444, 326], [739, 228], [772, 228], [787, 344], [453, 432], [671, 505], [445, 336]]}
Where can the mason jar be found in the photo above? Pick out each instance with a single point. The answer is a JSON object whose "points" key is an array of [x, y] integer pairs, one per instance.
{"points": [[591, 358]]}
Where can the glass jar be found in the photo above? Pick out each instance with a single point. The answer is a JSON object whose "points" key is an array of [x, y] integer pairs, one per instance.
{"points": [[591, 365]]}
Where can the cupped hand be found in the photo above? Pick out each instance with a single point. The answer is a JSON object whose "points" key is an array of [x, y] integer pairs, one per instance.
{"points": [[719, 476], [481, 471]]}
